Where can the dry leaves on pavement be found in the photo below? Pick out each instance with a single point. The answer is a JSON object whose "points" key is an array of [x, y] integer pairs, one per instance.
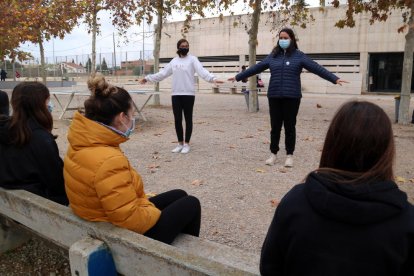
{"points": [[274, 202], [197, 182]]}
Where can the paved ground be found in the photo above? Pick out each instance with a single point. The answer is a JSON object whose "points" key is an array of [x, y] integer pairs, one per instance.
{"points": [[225, 168]]}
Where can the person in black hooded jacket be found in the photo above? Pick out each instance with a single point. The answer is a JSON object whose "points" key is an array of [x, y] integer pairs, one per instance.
{"points": [[349, 217], [29, 156]]}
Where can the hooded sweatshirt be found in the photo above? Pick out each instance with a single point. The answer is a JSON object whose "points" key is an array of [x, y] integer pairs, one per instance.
{"points": [[325, 228], [35, 167], [100, 182]]}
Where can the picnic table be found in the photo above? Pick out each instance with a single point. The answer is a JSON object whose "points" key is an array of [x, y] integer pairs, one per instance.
{"points": [[64, 108]]}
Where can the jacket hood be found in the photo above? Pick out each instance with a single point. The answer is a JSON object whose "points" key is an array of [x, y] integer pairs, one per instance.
{"points": [[84, 132], [355, 204]]}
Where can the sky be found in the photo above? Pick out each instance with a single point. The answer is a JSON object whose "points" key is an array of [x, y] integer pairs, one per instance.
{"points": [[77, 45]]}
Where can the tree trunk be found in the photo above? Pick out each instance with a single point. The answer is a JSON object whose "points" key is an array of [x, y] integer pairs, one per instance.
{"points": [[42, 60], [253, 104], [322, 3], [156, 98], [403, 115], [94, 30]]}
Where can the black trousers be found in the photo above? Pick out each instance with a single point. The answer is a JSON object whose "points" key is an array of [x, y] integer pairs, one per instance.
{"points": [[180, 213], [180, 105], [283, 111]]}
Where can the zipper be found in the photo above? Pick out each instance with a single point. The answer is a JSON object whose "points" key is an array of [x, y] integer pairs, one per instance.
{"points": [[283, 73]]}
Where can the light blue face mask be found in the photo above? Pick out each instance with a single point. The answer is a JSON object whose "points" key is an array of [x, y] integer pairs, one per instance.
{"points": [[131, 129], [50, 106], [284, 43]]}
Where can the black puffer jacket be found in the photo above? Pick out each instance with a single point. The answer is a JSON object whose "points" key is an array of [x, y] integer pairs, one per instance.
{"points": [[35, 167], [323, 228], [285, 70]]}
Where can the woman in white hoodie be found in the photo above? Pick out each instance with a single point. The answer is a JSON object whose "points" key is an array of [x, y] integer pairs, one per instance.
{"points": [[182, 68]]}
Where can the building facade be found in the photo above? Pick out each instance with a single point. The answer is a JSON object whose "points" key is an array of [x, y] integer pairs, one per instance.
{"points": [[369, 56]]}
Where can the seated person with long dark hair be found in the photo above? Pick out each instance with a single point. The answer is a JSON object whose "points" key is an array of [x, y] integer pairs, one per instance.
{"points": [[29, 156], [101, 183], [349, 217]]}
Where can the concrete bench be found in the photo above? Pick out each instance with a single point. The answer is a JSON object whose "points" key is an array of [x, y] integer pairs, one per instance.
{"points": [[130, 253], [231, 88]]}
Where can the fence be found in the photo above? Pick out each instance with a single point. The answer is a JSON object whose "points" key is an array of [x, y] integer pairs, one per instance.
{"points": [[128, 63]]}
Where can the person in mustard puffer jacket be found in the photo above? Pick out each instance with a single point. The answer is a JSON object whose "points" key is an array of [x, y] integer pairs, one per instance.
{"points": [[102, 185]]}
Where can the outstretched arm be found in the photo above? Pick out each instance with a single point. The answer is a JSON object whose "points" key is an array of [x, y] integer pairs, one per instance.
{"points": [[253, 70], [157, 77], [202, 72]]}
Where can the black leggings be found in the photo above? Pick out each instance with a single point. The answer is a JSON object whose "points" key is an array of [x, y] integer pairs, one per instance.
{"points": [[283, 111], [182, 104], [180, 213]]}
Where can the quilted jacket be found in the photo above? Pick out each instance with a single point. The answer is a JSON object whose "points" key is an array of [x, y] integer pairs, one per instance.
{"points": [[285, 73], [100, 182]]}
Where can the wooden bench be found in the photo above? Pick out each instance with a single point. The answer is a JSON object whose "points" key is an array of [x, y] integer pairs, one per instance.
{"points": [[97, 247]]}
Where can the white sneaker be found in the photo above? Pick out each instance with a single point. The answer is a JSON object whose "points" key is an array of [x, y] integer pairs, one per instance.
{"points": [[186, 148], [177, 149], [271, 160], [289, 161]]}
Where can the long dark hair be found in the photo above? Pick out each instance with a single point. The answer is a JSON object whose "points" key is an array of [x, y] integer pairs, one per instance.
{"points": [[106, 101], [359, 145], [28, 102], [293, 43]]}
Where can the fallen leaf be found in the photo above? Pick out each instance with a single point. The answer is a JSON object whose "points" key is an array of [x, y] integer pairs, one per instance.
{"points": [[309, 138], [259, 129], [249, 136], [197, 182], [155, 152], [283, 170], [218, 130], [153, 166], [400, 179], [412, 180], [260, 171], [232, 146], [157, 134], [274, 202], [318, 106]]}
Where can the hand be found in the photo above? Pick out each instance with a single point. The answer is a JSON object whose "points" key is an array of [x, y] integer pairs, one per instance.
{"points": [[143, 81], [232, 79], [340, 81], [218, 81]]}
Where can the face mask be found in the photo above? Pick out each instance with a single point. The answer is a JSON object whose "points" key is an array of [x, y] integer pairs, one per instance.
{"points": [[131, 129], [183, 51], [50, 106], [284, 43]]}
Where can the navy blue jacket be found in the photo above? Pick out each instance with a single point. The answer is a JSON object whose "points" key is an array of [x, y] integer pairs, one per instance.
{"points": [[285, 73], [326, 228]]}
